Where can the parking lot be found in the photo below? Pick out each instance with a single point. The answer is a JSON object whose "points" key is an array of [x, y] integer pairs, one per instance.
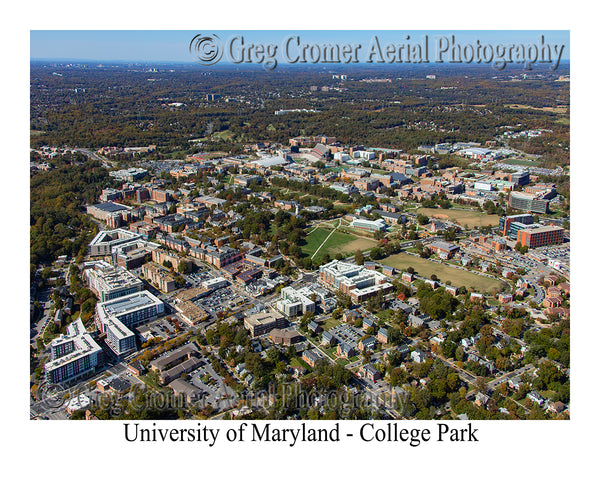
{"points": [[161, 166], [220, 300], [522, 260], [197, 278], [216, 392], [559, 253], [558, 257], [161, 328]]}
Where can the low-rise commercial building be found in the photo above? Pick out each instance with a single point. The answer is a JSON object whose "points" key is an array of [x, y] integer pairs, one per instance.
{"points": [[173, 358], [444, 249], [263, 322], [174, 364], [191, 313], [378, 225], [286, 337], [190, 393]]}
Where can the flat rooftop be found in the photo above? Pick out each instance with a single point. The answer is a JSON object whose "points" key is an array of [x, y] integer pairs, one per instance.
{"points": [[119, 234], [119, 330], [112, 277], [262, 318], [83, 345], [129, 303], [546, 228], [337, 268], [110, 207], [444, 245]]}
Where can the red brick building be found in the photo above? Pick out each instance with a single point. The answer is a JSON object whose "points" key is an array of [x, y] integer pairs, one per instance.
{"points": [[541, 236]]}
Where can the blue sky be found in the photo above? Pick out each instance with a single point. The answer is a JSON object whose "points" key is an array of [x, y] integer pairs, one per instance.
{"points": [[172, 46]]}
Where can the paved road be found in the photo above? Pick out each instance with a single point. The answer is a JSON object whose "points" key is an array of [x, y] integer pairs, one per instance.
{"points": [[539, 294], [463, 374], [507, 376], [45, 304], [94, 156]]}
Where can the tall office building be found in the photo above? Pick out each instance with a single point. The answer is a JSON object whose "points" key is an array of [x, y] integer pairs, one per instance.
{"points": [[529, 202], [507, 227], [541, 236]]}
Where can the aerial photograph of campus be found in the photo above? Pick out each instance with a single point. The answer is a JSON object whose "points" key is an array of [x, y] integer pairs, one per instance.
{"points": [[257, 234]]}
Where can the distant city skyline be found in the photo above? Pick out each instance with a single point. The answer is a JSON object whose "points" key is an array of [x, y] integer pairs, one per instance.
{"points": [[173, 46]]}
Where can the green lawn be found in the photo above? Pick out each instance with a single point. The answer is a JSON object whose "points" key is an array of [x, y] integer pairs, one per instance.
{"points": [[445, 273], [338, 242], [225, 134], [298, 362], [330, 323], [526, 163], [463, 217], [314, 239], [151, 379], [330, 351]]}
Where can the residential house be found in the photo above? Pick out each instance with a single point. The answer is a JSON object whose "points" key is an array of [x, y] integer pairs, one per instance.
{"points": [[368, 343]]}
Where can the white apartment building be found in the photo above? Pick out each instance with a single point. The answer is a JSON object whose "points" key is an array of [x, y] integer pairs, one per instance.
{"points": [[103, 243], [355, 280], [131, 310], [295, 302], [109, 282], [73, 355], [119, 338]]}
